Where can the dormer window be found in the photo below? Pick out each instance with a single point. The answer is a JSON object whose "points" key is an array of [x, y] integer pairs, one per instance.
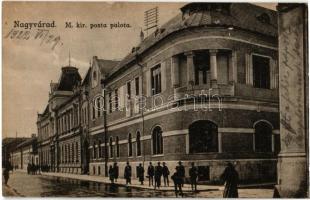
{"points": [[264, 18], [95, 76]]}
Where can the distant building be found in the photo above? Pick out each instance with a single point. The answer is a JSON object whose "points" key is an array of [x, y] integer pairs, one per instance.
{"points": [[8, 146], [25, 153]]}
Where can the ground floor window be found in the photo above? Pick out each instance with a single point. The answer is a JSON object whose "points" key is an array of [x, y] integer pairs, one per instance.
{"points": [[203, 137], [157, 141], [263, 137]]}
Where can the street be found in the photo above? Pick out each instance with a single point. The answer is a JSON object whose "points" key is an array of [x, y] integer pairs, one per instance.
{"points": [[49, 186]]}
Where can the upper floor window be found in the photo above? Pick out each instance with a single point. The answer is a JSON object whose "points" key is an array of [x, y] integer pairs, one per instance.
{"points": [[116, 98], [99, 149], [98, 107], [202, 66], [110, 102], [137, 86], [95, 76], [156, 80], [261, 72], [95, 151], [128, 90]]}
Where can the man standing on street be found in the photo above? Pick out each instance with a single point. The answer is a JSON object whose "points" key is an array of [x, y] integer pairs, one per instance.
{"points": [[140, 173], [181, 172], [150, 173], [158, 174], [127, 173], [115, 169], [166, 173], [193, 173]]}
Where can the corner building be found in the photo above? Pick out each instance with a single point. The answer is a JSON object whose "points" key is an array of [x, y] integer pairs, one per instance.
{"points": [[225, 50]]}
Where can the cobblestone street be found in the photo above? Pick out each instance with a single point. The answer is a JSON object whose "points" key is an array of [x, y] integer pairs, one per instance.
{"points": [[47, 185]]}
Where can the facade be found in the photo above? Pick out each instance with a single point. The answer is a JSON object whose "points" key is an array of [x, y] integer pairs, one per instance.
{"points": [[25, 153], [59, 130], [202, 88], [209, 86]]}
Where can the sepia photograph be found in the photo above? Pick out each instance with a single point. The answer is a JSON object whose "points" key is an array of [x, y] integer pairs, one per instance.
{"points": [[155, 99]]}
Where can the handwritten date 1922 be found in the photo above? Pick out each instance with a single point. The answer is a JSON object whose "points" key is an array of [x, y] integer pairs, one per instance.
{"points": [[40, 34]]}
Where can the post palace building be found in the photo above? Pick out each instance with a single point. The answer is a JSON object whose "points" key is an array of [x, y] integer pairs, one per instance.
{"points": [[202, 88]]}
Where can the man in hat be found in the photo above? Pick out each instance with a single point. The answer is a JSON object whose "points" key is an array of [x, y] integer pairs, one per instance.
{"points": [[115, 171], [150, 173], [193, 173], [127, 173], [158, 174], [181, 172], [166, 173], [230, 178]]}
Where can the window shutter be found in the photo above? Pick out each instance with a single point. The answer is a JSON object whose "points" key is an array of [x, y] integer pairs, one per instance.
{"points": [[148, 83], [163, 76]]}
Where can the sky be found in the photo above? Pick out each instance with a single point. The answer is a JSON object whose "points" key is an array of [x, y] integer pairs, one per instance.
{"points": [[29, 64]]}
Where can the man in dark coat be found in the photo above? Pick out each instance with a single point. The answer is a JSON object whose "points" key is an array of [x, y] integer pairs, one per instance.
{"points": [[6, 175], [193, 173], [166, 173], [181, 172], [116, 171], [140, 173], [177, 183], [230, 178], [150, 173], [158, 174], [127, 173], [111, 174]]}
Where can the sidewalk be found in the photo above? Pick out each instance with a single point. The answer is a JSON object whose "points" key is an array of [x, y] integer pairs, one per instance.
{"points": [[134, 182]]}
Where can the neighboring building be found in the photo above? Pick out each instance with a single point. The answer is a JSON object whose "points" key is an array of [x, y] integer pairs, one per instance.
{"points": [[228, 50], [8, 146], [59, 123], [25, 153], [99, 70]]}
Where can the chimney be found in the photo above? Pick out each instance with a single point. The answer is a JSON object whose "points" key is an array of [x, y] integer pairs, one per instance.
{"points": [[141, 36]]}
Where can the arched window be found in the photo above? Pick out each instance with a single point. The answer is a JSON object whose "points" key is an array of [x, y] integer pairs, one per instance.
{"points": [[111, 147], [99, 149], [203, 137], [129, 145], [95, 151], [263, 137], [157, 141], [117, 147], [138, 143]]}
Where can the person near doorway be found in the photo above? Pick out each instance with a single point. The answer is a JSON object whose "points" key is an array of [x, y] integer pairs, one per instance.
{"points": [[150, 173], [127, 173], [193, 173], [230, 178], [166, 173]]}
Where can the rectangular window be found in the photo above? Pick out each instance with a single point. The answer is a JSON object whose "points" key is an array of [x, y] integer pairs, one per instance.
{"points": [[261, 69], [128, 90], [98, 107], [137, 86], [94, 112], [116, 98], [156, 80], [110, 102]]}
